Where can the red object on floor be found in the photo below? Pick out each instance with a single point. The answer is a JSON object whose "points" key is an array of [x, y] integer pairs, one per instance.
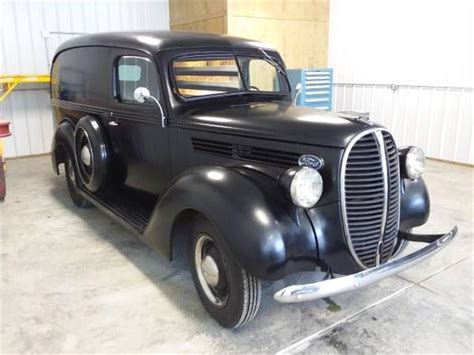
{"points": [[4, 128]]}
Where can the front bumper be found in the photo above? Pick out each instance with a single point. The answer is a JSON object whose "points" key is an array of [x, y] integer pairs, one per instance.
{"points": [[326, 288]]}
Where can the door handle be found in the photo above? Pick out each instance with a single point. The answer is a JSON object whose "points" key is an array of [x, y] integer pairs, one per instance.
{"points": [[112, 121]]}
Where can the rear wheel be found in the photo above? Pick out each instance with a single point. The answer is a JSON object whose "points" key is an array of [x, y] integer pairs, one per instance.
{"points": [[229, 293], [76, 196]]}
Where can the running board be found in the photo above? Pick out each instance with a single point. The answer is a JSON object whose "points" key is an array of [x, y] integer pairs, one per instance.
{"points": [[130, 207]]}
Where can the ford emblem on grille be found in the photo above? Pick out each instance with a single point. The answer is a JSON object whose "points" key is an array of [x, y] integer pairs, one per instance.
{"points": [[311, 161]]}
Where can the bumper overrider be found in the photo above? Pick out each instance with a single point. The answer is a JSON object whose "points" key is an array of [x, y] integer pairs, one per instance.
{"points": [[326, 288]]}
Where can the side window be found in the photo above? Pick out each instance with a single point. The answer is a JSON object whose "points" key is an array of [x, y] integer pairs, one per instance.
{"points": [[262, 75], [131, 73], [82, 75]]}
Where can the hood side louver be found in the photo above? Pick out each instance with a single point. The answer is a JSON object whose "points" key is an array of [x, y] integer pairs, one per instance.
{"points": [[212, 147], [248, 153]]}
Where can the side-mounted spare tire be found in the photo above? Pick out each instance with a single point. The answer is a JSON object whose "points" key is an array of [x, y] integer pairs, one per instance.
{"points": [[92, 153]]}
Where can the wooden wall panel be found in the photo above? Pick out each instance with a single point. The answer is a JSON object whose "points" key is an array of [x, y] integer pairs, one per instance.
{"points": [[301, 43], [190, 11], [298, 29], [307, 10], [217, 25]]}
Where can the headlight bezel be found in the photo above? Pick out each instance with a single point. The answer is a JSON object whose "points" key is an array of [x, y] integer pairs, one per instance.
{"points": [[412, 162], [294, 176]]}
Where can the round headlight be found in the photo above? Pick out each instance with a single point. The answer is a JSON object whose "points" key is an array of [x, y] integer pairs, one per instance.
{"points": [[306, 187], [415, 162]]}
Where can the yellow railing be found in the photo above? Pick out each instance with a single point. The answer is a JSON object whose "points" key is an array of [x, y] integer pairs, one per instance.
{"points": [[10, 82]]}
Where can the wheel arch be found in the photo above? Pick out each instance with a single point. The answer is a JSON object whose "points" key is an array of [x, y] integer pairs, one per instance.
{"points": [[181, 228], [62, 144], [268, 236]]}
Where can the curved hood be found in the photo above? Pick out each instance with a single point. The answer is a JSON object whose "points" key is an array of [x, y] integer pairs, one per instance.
{"points": [[278, 120]]}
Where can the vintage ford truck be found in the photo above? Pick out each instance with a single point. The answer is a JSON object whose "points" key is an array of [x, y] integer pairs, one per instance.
{"points": [[182, 134]]}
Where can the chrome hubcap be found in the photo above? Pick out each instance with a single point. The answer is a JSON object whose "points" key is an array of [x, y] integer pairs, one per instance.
{"points": [[213, 281], [210, 271], [86, 156]]}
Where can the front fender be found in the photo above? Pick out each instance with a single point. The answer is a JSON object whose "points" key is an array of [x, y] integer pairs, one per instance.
{"points": [[414, 204], [268, 235]]}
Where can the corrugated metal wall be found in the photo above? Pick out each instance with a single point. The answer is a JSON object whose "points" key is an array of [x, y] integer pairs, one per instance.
{"points": [[425, 49], [25, 51], [439, 120]]}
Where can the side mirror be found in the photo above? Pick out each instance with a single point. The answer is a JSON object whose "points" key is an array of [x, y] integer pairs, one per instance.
{"points": [[298, 89], [142, 95]]}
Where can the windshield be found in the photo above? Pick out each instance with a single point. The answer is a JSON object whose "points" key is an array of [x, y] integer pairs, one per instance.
{"points": [[195, 77]]}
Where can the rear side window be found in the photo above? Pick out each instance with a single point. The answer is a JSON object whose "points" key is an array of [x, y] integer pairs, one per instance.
{"points": [[134, 72], [82, 75]]}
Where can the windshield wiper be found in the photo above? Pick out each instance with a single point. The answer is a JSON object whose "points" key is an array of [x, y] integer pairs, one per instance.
{"points": [[273, 62]]}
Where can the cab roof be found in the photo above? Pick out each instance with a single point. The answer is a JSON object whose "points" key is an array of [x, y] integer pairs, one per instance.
{"points": [[154, 41]]}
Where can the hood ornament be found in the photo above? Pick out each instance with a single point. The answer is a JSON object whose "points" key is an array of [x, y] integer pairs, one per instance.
{"points": [[357, 116], [311, 161]]}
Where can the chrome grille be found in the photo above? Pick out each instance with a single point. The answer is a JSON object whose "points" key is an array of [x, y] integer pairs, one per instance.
{"points": [[370, 197], [393, 203]]}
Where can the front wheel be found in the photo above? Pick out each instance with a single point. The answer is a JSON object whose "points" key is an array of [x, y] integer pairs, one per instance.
{"points": [[229, 293]]}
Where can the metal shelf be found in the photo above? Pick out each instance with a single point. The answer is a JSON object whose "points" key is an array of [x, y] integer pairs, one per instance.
{"points": [[10, 82]]}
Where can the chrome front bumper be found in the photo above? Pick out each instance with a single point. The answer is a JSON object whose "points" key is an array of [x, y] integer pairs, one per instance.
{"points": [[326, 288]]}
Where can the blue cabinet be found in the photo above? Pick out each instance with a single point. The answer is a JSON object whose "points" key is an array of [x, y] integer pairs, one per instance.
{"points": [[317, 87]]}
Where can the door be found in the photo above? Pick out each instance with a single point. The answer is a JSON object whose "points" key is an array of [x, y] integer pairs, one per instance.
{"points": [[137, 138]]}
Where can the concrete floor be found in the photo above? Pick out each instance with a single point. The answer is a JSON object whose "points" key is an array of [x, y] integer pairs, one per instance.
{"points": [[75, 281]]}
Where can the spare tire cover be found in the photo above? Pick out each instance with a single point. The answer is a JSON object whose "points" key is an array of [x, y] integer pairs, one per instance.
{"points": [[92, 153]]}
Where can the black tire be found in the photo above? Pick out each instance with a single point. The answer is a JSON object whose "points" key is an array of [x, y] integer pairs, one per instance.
{"points": [[92, 153], [76, 196], [235, 298]]}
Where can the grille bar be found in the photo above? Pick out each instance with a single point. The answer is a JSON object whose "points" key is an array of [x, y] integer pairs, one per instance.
{"points": [[370, 196], [381, 145], [393, 203]]}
